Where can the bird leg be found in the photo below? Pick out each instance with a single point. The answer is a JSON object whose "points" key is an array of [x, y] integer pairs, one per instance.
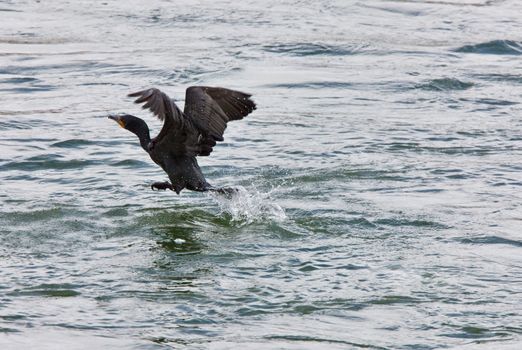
{"points": [[162, 186]]}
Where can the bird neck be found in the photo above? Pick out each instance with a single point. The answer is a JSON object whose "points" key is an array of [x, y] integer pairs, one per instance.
{"points": [[140, 129], [144, 139]]}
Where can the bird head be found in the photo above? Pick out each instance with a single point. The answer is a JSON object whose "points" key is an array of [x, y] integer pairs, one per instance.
{"points": [[135, 125], [125, 121]]}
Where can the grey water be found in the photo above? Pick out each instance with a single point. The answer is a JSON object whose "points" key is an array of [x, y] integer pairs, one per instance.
{"points": [[380, 177]]}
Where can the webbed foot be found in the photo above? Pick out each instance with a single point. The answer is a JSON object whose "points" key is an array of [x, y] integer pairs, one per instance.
{"points": [[162, 186], [227, 192]]}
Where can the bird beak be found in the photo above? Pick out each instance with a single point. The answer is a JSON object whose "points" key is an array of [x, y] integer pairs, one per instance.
{"points": [[117, 119]]}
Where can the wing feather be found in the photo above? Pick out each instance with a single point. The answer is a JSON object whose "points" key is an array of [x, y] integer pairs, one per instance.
{"points": [[172, 137], [159, 104], [203, 122], [211, 108]]}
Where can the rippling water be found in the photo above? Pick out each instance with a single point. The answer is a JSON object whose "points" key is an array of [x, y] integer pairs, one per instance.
{"points": [[380, 201]]}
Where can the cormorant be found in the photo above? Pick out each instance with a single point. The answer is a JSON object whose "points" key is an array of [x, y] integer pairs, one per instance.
{"points": [[188, 134]]}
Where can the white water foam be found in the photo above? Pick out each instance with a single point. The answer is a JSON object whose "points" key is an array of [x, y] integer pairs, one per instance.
{"points": [[248, 206]]}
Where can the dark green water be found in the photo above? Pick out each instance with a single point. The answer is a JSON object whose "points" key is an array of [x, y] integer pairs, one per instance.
{"points": [[380, 176]]}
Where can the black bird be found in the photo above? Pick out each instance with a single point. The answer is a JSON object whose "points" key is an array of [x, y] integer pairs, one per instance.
{"points": [[188, 134]]}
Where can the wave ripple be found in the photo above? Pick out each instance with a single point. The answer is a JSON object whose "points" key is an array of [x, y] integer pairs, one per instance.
{"points": [[495, 47]]}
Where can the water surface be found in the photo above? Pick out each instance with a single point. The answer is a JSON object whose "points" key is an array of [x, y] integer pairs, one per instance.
{"points": [[380, 175]]}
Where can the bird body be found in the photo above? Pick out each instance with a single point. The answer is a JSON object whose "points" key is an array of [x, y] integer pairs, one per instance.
{"points": [[188, 134]]}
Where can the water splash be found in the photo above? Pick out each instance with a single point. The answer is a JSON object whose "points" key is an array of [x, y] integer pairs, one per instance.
{"points": [[248, 206]]}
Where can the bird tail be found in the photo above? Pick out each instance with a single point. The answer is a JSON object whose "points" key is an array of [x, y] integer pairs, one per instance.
{"points": [[226, 191]]}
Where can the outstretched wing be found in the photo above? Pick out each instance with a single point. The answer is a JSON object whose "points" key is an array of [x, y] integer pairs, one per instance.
{"points": [[173, 137], [211, 108], [161, 106]]}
